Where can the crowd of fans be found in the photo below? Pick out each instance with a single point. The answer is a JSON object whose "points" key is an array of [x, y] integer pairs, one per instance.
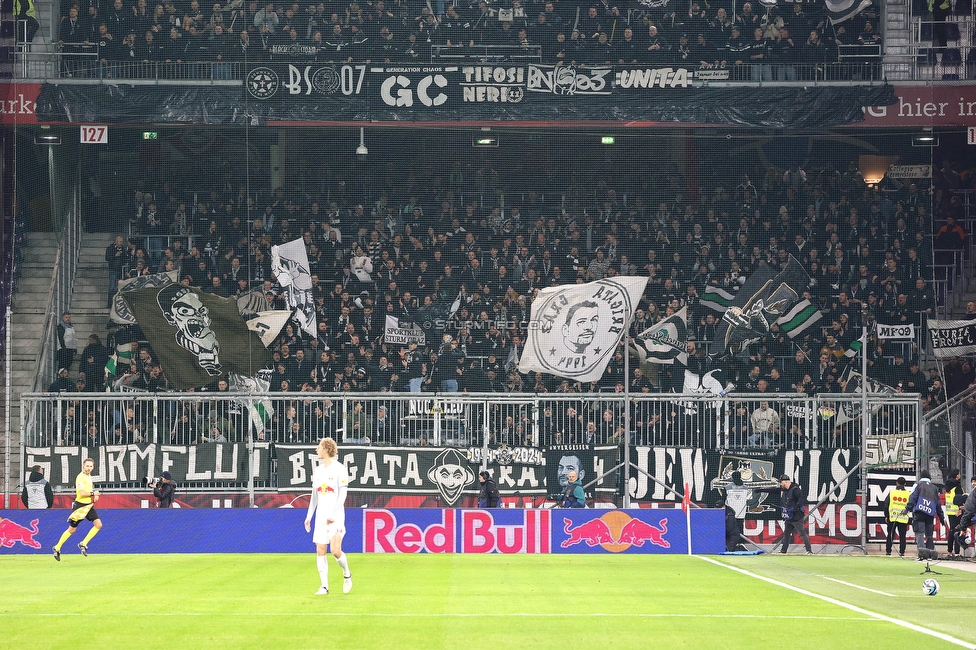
{"points": [[392, 31], [398, 244]]}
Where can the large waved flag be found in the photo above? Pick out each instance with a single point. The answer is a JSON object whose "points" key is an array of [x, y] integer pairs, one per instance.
{"points": [[575, 329], [120, 311], [198, 337], [289, 264], [665, 341], [840, 10], [716, 299], [765, 297], [802, 316]]}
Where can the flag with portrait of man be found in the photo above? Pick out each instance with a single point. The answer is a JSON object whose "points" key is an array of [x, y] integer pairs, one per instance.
{"points": [[575, 329]]}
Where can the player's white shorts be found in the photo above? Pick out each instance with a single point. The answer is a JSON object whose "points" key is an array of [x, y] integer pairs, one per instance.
{"points": [[323, 532]]}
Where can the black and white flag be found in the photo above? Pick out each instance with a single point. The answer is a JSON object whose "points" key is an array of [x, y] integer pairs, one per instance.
{"points": [[840, 10], [575, 329], [289, 264], [666, 341]]}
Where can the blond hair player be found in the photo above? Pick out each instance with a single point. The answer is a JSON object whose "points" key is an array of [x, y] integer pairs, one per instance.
{"points": [[329, 484]]}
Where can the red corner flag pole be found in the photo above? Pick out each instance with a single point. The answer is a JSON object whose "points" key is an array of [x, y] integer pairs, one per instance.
{"points": [[686, 506]]}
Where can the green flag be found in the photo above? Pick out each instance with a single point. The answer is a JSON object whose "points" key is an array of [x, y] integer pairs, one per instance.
{"points": [[803, 315], [716, 299], [198, 337]]}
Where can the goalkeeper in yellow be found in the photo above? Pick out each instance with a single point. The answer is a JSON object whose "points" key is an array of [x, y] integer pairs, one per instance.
{"points": [[83, 508]]}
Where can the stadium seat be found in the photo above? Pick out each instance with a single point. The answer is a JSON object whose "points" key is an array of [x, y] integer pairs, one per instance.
{"points": [[951, 59]]}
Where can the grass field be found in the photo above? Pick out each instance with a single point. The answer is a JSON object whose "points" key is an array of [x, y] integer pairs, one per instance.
{"points": [[477, 601]]}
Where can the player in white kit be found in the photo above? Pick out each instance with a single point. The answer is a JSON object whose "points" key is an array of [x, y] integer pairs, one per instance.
{"points": [[329, 484]]}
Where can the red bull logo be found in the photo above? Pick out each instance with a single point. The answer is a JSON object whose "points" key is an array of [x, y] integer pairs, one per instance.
{"points": [[11, 533], [325, 489], [615, 532]]}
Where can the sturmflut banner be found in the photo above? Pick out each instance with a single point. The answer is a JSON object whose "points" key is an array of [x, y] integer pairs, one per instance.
{"points": [[951, 338], [575, 329]]}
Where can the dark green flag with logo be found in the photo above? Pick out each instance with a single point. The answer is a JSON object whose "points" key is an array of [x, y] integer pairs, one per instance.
{"points": [[198, 337]]}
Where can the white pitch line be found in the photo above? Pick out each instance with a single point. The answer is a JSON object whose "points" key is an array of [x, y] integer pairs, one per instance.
{"points": [[840, 603], [851, 584], [444, 615]]}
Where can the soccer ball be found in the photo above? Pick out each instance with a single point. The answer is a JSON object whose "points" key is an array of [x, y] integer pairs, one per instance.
{"points": [[930, 587]]}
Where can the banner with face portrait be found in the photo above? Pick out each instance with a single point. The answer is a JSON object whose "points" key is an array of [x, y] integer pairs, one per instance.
{"points": [[289, 264], [198, 337], [574, 330]]}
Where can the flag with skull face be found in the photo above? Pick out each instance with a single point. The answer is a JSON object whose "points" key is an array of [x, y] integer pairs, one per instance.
{"points": [[198, 337]]}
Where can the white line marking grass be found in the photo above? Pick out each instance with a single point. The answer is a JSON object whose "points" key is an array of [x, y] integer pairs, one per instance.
{"points": [[439, 615], [851, 584], [840, 603]]}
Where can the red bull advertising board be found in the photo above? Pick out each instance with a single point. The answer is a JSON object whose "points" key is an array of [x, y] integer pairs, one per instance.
{"points": [[394, 530]]}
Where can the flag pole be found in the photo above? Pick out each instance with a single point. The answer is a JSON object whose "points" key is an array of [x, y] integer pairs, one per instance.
{"points": [[625, 342], [865, 418]]}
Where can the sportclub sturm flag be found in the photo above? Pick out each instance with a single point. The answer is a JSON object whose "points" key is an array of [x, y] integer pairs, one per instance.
{"points": [[575, 329], [666, 341], [198, 337], [289, 264], [402, 332], [716, 299], [801, 317]]}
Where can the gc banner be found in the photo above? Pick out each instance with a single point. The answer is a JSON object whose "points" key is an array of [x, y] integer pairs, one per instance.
{"points": [[216, 463], [417, 87]]}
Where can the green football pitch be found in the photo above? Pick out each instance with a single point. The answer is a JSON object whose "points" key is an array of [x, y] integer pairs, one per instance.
{"points": [[480, 601]]}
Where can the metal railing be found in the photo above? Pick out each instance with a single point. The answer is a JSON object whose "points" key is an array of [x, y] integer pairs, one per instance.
{"points": [[735, 421], [58, 300]]}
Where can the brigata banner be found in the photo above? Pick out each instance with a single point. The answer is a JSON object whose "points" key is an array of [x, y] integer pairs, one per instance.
{"points": [[399, 530], [951, 338], [896, 332], [452, 474], [215, 463]]}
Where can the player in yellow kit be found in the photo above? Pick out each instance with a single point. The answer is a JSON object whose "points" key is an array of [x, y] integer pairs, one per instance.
{"points": [[83, 508]]}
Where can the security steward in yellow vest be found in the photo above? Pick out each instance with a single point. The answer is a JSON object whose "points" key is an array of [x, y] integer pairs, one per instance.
{"points": [[26, 10], [896, 518], [954, 498]]}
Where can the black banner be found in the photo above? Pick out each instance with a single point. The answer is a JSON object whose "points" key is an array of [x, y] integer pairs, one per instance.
{"points": [[309, 93], [452, 473], [710, 474], [215, 464]]}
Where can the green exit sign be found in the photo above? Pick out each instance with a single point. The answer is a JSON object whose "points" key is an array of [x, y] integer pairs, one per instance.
{"points": [[607, 139], [150, 135]]}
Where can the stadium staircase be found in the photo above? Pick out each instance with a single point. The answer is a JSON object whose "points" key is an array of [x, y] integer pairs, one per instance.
{"points": [[898, 39], [32, 296]]}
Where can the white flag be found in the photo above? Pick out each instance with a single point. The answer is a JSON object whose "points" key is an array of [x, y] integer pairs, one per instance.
{"points": [[289, 264], [260, 412], [268, 325], [575, 329], [665, 341]]}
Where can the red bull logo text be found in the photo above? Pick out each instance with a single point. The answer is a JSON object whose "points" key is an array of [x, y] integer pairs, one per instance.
{"points": [[480, 531], [615, 532], [12, 533]]}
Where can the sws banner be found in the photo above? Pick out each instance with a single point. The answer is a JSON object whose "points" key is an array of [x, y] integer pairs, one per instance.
{"points": [[424, 530], [214, 463], [448, 472]]}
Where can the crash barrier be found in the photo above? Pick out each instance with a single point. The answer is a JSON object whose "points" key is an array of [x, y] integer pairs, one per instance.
{"points": [[426, 530], [709, 443]]}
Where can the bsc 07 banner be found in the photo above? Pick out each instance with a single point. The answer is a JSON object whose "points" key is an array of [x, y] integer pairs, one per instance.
{"points": [[426, 530]]}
